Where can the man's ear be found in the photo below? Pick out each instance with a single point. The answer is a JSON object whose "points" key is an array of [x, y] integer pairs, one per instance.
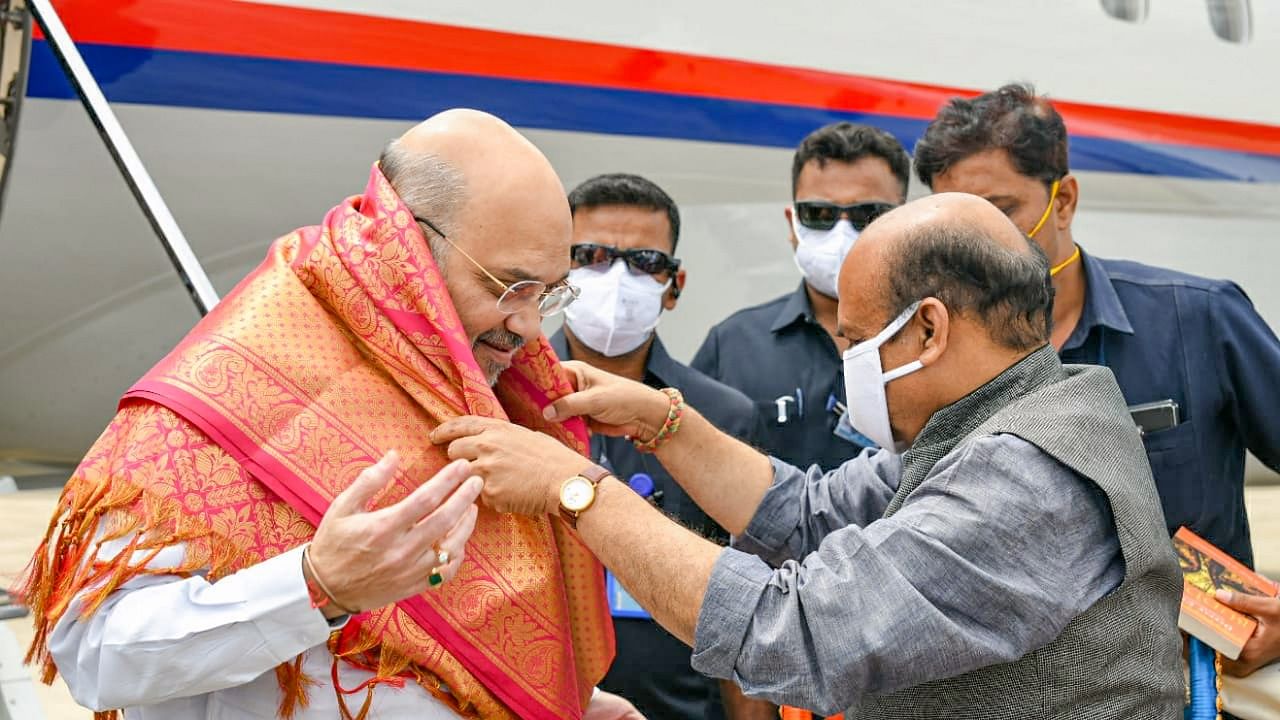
{"points": [[1068, 200], [673, 293], [935, 326], [791, 228]]}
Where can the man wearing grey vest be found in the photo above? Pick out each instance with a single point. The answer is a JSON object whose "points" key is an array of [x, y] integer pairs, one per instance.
{"points": [[1004, 557]]}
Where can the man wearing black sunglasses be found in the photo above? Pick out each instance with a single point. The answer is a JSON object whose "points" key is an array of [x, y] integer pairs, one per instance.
{"points": [[784, 354], [625, 230]]}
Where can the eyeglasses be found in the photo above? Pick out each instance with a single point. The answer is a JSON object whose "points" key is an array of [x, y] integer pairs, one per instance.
{"points": [[652, 262], [521, 294], [819, 215]]}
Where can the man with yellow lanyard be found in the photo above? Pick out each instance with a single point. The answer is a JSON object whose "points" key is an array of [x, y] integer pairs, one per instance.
{"points": [[1191, 355]]}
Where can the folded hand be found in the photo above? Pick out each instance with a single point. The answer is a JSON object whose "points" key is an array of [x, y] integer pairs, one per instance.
{"points": [[522, 469]]}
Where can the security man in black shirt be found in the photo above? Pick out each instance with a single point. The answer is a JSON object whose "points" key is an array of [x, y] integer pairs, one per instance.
{"points": [[625, 233], [784, 354]]}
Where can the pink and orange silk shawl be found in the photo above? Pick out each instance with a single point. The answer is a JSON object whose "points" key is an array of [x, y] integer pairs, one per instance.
{"points": [[342, 345]]}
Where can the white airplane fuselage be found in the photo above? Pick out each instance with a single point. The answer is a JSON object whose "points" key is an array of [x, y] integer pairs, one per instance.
{"points": [[255, 118]]}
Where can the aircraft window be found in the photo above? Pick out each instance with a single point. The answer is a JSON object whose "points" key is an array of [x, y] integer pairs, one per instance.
{"points": [[1134, 11], [1231, 19]]}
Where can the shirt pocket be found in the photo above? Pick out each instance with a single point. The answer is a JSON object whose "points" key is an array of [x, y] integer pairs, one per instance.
{"points": [[776, 437], [1175, 464]]}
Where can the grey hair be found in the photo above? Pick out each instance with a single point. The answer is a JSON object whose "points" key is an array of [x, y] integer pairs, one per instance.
{"points": [[430, 186], [1009, 292]]}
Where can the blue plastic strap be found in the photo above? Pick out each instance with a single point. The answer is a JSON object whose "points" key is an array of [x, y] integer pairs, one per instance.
{"points": [[1203, 682]]}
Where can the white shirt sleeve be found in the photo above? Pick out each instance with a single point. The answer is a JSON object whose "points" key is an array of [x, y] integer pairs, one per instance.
{"points": [[162, 637]]}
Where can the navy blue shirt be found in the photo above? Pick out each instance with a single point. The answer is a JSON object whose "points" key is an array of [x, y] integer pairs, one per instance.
{"points": [[1199, 342], [652, 667], [779, 351]]}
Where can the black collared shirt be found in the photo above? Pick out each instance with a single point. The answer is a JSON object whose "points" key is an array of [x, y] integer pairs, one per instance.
{"points": [[1171, 336], [779, 356], [652, 667]]}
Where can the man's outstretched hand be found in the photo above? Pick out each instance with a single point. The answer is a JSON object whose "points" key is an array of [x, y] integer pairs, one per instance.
{"points": [[371, 558], [612, 405]]}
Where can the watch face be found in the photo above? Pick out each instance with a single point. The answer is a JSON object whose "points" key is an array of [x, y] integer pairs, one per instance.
{"points": [[576, 494]]}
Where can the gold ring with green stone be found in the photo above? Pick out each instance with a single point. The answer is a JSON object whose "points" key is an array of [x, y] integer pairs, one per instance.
{"points": [[437, 573]]}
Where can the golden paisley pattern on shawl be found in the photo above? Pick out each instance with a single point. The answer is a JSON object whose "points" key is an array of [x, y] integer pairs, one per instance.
{"points": [[341, 345]]}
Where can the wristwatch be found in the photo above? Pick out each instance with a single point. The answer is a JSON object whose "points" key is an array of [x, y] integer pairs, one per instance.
{"points": [[579, 492]]}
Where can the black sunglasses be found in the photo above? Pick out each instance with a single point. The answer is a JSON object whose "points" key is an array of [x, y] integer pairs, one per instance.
{"points": [[819, 215], [652, 262]]}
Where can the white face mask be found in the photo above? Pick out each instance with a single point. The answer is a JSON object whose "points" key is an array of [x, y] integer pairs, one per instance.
{"points": [[617, 310], [864, 381], [820, 253]]}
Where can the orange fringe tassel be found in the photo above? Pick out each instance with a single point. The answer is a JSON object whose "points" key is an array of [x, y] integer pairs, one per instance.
{"points": [[293, 687], [60, 571]]}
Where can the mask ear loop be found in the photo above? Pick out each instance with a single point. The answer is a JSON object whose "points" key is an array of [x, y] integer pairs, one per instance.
{"points": [[1053, 195], [888, 332], [896, 328], [898, 323]]}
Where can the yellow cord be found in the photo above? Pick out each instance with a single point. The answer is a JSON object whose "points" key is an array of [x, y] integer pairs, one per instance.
{"points": [[1062, 265], [1053, 194]]}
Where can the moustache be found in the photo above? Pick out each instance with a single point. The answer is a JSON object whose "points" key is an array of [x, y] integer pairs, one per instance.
{"points": [[501, 339]]}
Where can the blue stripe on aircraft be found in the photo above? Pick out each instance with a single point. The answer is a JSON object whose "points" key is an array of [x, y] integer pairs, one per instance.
{"points": [[227, 82]]}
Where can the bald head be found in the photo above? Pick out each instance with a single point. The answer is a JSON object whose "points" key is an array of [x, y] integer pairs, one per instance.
{"points": [[461, 131], [960, 249], [946, 209], [485, 149], [497, 199], [460, 157]]}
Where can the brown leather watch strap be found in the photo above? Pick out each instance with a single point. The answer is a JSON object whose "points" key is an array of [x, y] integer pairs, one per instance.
{"points": [[595, 474]]}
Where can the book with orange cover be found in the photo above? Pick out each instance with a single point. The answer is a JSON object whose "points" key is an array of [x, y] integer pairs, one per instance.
{"points": [[1206, 569]]}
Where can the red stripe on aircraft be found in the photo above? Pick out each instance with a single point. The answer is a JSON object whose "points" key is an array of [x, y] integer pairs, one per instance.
{"points": [[288, 33]]}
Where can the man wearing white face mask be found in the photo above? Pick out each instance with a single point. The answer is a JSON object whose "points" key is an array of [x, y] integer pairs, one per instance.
{"points": [[785, 354], [625, 232], [1012, 562]]}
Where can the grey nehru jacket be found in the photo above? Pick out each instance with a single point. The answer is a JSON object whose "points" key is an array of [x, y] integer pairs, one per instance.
{"points": [[846, 589], [859, 605]]}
